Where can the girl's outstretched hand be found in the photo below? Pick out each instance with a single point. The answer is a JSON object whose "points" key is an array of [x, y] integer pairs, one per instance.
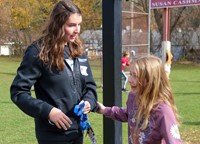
{"points": [[101, 108]]}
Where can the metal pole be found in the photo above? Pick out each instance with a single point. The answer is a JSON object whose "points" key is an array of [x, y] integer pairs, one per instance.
{"points": [[166, 32], [166, 24], [166, 44], [149, 28], [132, 23], [112, 42]]}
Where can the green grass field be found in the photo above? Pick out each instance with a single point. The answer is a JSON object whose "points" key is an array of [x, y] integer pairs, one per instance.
{"points": [[18, 128]]}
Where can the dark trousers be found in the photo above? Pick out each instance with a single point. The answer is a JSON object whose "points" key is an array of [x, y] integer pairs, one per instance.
{"points": [[78, 140]]}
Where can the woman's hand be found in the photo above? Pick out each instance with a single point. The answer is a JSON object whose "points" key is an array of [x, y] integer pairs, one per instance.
{"points": [[101, 108], [87, 107], [59, 118]]}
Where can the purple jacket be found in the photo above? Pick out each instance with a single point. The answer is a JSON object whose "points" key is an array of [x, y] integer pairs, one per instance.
{"points": [[162, 127]]}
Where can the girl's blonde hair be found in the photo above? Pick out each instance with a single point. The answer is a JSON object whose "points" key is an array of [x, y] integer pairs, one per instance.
{"points": [[153, 88]]}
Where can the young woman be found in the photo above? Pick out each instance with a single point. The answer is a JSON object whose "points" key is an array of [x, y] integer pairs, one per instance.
{"points": [[151, 112], [59, 70]]}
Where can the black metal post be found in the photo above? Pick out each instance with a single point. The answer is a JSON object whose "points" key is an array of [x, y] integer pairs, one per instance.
{"points": [[112, 42]]}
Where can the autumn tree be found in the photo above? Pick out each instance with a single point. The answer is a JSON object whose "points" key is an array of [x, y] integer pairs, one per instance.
{"points": [[180, 17], [91, 10], [21, 21]]}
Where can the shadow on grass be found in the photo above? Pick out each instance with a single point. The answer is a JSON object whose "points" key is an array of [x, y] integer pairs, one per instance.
{"points": [[7, 73], [186, 94], [191, 123], [6, 102], [183, 81]]}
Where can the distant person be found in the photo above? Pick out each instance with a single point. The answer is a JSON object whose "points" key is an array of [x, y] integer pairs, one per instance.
{"points": [[60, 72], [150, 110], [125, 62], [133, 53], [168, 62]]}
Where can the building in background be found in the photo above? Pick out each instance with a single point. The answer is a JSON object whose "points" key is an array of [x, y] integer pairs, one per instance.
{"points": [[6, 49]]}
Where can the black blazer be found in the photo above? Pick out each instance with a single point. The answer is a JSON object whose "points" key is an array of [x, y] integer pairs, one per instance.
{"points": [[61, 89]]}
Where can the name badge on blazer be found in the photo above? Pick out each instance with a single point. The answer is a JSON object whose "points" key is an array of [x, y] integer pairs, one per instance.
{"points": [[84, 70]]}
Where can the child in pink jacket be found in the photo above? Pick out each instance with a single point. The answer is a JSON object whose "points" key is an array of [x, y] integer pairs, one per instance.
{"points": [[150, 109], [125, 62]]}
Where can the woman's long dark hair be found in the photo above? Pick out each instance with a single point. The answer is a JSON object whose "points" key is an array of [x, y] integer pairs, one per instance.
{"points": [[52, 40]]}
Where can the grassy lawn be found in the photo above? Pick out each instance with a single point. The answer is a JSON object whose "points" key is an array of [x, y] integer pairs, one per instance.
{"points": [[18, 128]]}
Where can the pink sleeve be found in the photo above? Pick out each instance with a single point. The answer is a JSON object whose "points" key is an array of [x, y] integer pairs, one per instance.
{"points": [[168, 125], [127, 62], [116, 113]]}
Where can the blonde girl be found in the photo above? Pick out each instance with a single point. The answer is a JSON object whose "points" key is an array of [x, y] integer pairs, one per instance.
{"points": [[150, 109]]}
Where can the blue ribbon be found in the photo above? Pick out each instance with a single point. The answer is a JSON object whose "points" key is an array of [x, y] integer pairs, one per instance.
{"points": [[84, 124], [78, 110]]}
